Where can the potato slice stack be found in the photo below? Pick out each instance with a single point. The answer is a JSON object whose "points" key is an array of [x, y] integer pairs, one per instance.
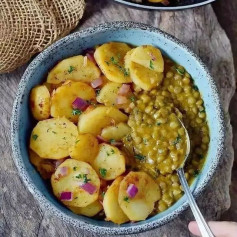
{"points": [[82, 118]]}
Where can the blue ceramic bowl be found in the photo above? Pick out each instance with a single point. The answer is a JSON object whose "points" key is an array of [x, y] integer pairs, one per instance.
{"points": [[135, 34]]}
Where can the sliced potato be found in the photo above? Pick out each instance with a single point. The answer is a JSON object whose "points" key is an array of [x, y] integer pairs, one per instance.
{"points": [[45, 167], [85, 148], [110, 162], [40, 102], [95, 119], [110, 58], [142, 76], [78, 173], [139, 207], [112, 209], [90, 210], [109, 93], [52, 138], [116, 132], [148, 56], [77, 68], [63, 97]]}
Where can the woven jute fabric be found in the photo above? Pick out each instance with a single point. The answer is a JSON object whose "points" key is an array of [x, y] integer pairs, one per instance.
{"points": [[29, 26]]}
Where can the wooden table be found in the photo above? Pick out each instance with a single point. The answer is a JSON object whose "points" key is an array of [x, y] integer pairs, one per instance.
{"points": [[199, 28]]}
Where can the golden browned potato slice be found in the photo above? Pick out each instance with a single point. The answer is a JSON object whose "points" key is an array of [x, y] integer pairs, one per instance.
{"points": [[40, 102], [90, 210], [94, 120], [148, 56], [112, 209], [77, 68], [85, 148], [52, 138], [45, 167], [110, 162], [116, 132], [110, 58], [76, 174], [141, 205], [109, 93], [63, 97]]}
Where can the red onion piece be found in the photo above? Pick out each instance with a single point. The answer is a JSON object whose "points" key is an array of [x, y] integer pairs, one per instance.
{"points": [[124, 89], [100, 139], [90, 55], [121, 100], [88, 187], [59, 162], [66, 196], [79, 103], [165, 2], [132, 190], [63, 171], [153, 57], [97, 82]]}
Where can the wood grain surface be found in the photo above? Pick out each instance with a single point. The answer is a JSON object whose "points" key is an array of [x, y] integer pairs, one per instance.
{"points": [[21, 215]]}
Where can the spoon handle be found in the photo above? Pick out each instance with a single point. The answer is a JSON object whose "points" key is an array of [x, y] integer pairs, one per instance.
{"points": [[202, 224]]}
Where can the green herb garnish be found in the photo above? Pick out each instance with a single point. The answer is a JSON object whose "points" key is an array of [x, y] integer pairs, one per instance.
{"points": [[71, 69], [103, 194], [74, 168], [85, 179], [79, 176], [112, 141], [151, 65], [103, 172], [112, 151], [133, 98], [180, 71], [34, 137], [126, 199], [139, 157], [195, 88], [158, 124], [122, 69], [97, 91], [177, 140], [76, 112], [77, 141], [54, 132], [196, 173]]}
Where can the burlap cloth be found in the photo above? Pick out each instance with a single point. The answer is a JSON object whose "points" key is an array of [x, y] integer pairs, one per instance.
{"points": [[29, 26]]}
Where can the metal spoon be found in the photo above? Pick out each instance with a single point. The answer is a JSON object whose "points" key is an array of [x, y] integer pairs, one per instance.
{"points": [[202, 224]]}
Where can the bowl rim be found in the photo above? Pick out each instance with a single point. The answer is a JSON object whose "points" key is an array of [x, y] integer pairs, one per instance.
{"points": [[51, 207], [163, 8]]}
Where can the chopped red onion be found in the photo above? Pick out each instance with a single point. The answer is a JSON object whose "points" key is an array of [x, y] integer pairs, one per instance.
{"points": [[80, 103], [165, 2], [132, 190], [97, 82], [100, 139], [63, 171], [121, 100], [59, 162], [124, 89], [88, 187], [66, 196], [153, 57]]}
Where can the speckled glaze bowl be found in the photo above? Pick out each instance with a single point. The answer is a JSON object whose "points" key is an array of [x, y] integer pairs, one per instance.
{"points": [[132, 33]]}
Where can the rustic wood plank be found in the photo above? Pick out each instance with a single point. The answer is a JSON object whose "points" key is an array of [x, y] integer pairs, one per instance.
{"points": [[20, 213]]}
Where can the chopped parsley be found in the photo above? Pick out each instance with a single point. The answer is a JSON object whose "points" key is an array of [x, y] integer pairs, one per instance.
{"points": [[71, 69], [64, 138], [177, 140], [76, 112], [151, 65], [54, 132], [112, 151], [108, 154], [196, 173], [129, 138], [145, 141], [103, 172], [77, 141], [158, 124], [34, 137], [126, 199], [97, 91], [139, 157], [83, 176], [115, 62], [112, 141], [133, 98], [74, 168], [195, 88], [103, 194], [180, 71]]}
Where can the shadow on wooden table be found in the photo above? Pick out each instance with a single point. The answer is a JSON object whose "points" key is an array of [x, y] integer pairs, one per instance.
{"points": [[226, 14]]}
